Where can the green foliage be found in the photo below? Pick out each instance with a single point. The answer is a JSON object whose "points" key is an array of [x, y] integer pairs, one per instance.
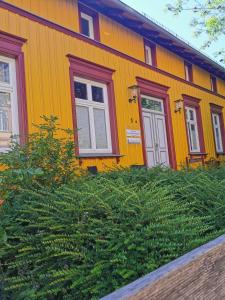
{"points": [[45, 160], [90, 237], [209, 20]]}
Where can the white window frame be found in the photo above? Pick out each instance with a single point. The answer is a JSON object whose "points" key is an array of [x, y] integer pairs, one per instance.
{"points": [[187, 74], [11, 88], [91, 105], [90, 24], [194, 122], [149, 55], [217, 126]]}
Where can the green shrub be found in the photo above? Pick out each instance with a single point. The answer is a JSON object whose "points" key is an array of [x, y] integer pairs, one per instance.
{"points": [[93, 236], [46, 160]]}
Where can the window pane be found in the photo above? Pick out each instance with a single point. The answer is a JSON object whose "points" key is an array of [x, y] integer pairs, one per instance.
{"points": [[100, 129], [4, 72], [191, 115], [187, 73], [194, 137], [85, 27], [148, 55], [151, 104], [215, 120], [97, 94], [80, 90], [83, 125], [5, 120], [218, 143]]}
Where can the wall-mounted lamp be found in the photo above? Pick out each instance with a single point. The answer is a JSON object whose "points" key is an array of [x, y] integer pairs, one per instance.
{"points": [[134, 92], [179, 104]]}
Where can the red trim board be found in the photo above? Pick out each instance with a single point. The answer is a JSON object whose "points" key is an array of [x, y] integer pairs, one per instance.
{"points": [[88, 70], [218, 110], [195, 103], [94, 15], [11, 46]]}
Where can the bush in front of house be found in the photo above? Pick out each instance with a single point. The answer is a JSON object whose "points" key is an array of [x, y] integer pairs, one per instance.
{"points": [[46, 159], [88, 238]]}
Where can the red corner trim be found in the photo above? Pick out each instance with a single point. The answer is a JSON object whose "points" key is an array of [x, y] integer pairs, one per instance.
{"points": [[218, 110], [160, 91], [88, 70], [86, 10], [195, 103], [11, 46], [50, 24]]}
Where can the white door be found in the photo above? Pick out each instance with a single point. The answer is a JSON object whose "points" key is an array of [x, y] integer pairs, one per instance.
{"points": [[154, 131]]}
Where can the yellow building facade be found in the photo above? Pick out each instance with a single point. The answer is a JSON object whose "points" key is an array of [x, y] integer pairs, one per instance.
{"points": [[133, 93]]}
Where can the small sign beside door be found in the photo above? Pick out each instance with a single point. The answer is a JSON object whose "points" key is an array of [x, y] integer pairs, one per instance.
{"points": [[134, 141], [132, 133]]}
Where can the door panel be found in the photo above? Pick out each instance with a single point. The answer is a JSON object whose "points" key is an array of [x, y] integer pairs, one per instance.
{"points": [[161, 140], [148, 131], [160, 131], [151, 158], [149, 139]]}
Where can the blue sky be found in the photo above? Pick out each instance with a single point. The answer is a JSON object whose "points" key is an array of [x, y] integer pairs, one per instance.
{"points": [[178, 24]]}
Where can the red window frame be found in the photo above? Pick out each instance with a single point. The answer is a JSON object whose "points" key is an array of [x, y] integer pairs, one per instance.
{"points": [[195, 104], [11, 46], [213, 82], [88, 70], [216, 109], [88, 11], [189, 68], [152, 46]]}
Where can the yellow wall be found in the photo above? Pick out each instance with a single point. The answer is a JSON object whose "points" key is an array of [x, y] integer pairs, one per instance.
{"points": [[170, 62], [48, 84], [65, 13]]}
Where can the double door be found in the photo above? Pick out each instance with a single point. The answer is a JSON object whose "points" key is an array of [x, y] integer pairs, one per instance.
{"points": [[154, 122]]}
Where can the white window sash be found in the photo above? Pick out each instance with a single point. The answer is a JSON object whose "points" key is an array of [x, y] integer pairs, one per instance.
{"points": [[195, 123], [90, 24], [217, 127], [149, 58], [11, 88], [91, 105], [187, 75]]}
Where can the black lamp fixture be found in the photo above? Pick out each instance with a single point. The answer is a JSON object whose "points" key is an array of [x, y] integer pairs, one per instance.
{"points": [[134, 92], [179, 104]]}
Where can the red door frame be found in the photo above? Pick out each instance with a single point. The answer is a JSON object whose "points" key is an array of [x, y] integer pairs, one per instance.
{"points": [[153, 89]]}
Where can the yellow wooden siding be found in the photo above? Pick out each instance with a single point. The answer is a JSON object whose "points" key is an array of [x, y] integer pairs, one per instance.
{"points": [[48, 86], [121, 38], [65, 13], [170, 62], [62, 12], [221, 86], [201, 77]]}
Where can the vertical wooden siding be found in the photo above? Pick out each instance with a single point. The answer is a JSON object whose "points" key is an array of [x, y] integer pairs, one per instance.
{"points": [[65, 13], [48, 86]]}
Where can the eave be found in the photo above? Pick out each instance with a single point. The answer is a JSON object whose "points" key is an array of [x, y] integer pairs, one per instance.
{"points": [[130, 18]]}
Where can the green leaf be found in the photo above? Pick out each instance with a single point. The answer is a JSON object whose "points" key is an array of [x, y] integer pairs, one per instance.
{"points": [[3, 236]]}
